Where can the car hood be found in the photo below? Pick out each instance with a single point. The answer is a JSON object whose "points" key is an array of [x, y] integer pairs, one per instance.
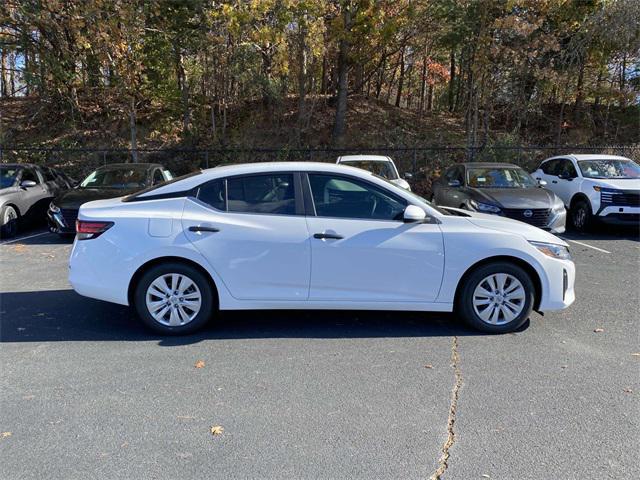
{"points": [[76, 197], [533, 197], [503, 224], [401, 182], [628, 184]]}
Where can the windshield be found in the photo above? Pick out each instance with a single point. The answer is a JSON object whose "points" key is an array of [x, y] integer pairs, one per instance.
{"points": [[8, 176], [499, 177], [116, 178], [609, 168], [380, 168]]}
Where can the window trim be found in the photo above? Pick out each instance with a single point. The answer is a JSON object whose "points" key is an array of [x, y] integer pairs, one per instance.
{"points": [[311, 212]]}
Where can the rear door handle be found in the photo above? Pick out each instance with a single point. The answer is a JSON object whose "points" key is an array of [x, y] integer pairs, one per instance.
{"points": [[327, 236], [554, 181], [202, 228]]}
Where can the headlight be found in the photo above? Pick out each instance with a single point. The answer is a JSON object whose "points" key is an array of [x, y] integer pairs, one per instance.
{"points": [[54, 208], [553, 250], [558, 207], [484, 207]]}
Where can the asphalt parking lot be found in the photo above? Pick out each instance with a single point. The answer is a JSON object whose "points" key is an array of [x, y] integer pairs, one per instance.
{"points": [[86, 392]]}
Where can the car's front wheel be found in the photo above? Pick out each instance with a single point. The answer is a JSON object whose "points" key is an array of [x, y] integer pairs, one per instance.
{"points": [[581, 216], [496, 298], [8, 222], [174, 299]]}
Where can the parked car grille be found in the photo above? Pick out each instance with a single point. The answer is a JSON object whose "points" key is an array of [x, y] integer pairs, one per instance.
{"points": [[620, 197], [539, 216], [69, 215]]}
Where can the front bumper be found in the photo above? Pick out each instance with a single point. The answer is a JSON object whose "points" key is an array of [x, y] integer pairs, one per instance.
{"points": [[560, 292], [59, 224], [619, 215]]}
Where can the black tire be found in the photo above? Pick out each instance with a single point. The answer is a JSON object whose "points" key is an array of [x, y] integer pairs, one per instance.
{"points": [[207, 306], [581, 216], [9, 217], [464, 302]]}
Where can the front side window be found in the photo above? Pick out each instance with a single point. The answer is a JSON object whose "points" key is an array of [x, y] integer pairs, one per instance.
{"points": [[609, 168], [342, 197], [513, 177], [29, 174], [566, 169], [271, 194], [550, 167]]}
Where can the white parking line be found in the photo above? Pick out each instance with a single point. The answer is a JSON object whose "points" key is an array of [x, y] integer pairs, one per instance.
{"points": [[588, 246], [23, 238]]}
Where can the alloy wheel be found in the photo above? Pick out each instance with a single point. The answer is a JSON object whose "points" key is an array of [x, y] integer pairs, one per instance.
{"points": [[10, 221], [499, 299], [173, 299]]}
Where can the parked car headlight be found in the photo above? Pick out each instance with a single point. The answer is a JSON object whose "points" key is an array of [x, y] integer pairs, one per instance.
{"points": [[558, 206], [553, 250], [54, 208], [484, 207]]}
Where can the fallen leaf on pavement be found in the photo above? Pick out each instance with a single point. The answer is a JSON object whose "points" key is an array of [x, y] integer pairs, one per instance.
{"points": [[216, 430], [628, 390], [6, 434], [635, 354], [485, 476], [599, 330], [428, 365], [199, 364], [19, 247]]}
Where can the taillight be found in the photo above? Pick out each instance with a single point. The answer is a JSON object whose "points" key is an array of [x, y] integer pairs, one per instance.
{"points": [[87, 229]]}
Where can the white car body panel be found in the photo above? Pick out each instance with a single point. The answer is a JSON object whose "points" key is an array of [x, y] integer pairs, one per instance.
{"points": [[273, 261]]}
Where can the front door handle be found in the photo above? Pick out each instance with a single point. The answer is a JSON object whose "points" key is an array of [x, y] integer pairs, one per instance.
{"points": [[202, 228], [554, 181], [327, 236]]}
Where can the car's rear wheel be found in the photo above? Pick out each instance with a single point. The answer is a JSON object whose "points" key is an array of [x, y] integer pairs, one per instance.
{"points": [[8, 222], [581, 216], [496, 298], [174, 299]]}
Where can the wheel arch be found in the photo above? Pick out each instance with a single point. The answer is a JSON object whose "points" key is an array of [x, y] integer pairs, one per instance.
{"points": [[579, 196], [15, 207], [526, 266], [135, 278]]}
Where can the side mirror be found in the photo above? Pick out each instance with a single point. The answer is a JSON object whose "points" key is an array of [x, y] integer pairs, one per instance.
{"points": [[541, 182], [455, 183], [414, 214], [408, 175], [27, 184]]}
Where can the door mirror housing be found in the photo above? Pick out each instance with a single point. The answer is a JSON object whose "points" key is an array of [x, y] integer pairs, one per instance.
{"points": [[27, 184], [408, 175], [455, 183], [414, 214], [541, 182]]}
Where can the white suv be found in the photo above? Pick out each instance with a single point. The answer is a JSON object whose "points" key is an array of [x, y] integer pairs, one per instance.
{"points": [[377, 164], [602, 187]]}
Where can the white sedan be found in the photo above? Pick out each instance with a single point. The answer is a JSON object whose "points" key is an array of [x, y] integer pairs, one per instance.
{"points": [[310, 236]]}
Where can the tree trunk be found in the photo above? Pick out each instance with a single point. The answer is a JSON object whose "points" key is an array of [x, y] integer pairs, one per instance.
{"points": [[324, 75], [430, 97], [4, 82], [423, 84], [452, 80], [184, 90], [302, 77], [133, 130], [339, 126], [400, 79], [577, 107]]}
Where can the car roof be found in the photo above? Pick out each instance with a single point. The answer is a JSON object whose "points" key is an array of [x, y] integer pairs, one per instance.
{"points": [[362, 158], [489, 164], [588, 156], [114, 166], [192, 181]]}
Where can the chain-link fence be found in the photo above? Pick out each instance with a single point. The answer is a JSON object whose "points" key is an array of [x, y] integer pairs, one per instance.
{"points": [[423, 163]]}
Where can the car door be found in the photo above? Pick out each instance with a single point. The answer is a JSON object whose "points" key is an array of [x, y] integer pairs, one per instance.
{"points": [[564, 183], [361, 250], [547, 172], [252, 231], [32, 197]]}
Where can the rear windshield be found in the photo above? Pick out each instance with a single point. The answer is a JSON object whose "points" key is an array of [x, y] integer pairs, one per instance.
{"points": [[134, 196], [380, 168]]}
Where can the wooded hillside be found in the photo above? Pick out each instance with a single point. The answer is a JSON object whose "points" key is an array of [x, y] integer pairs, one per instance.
{"points": [[297, 72]]}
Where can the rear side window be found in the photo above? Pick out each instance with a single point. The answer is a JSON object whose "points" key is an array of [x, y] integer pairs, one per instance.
{"points": [[213, 194], [49, 176], [271, 194]]}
